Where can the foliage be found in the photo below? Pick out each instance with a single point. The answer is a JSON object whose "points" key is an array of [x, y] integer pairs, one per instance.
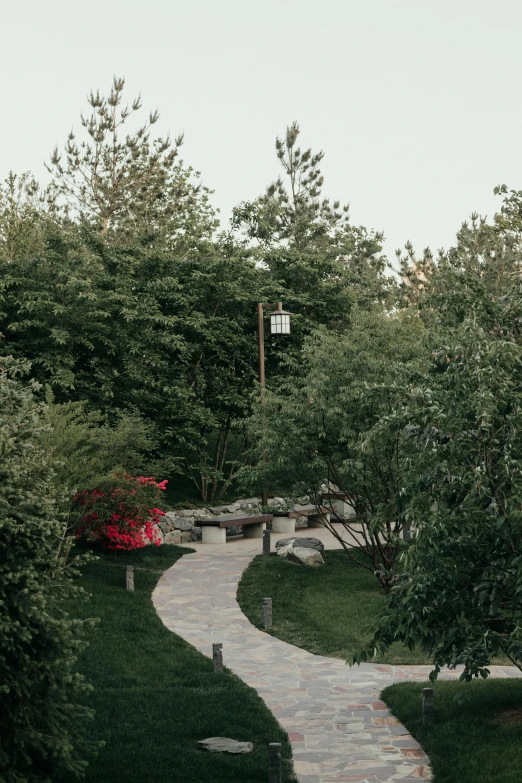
{"points": [[137, 331], [85, 448], [318, 262], [41, 726], [20, 217], [325, 424], [473, 741], [145, 676], [121, 513], [127, 184], [459, 593]]}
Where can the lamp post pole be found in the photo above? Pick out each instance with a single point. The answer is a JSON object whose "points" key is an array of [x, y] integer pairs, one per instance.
{"points": [[280, 324], [261, 335]]}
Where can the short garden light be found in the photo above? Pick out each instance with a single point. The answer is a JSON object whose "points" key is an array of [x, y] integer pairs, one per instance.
{"points": [[280, 320]]}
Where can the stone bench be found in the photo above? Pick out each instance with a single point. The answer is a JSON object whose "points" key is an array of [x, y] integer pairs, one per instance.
{"points": [[214, 529], [287, 524], [315, 516], [339, 503]]}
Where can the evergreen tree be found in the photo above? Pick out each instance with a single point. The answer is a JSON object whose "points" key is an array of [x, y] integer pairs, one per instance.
{"points": [[41, 727], [315, 255], [128, 184]]}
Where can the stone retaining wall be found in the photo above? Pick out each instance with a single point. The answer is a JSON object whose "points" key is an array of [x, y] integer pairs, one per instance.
{"points": [[179, 527]]}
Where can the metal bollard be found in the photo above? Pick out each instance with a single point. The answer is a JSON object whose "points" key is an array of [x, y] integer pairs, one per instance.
{"points": [[267, 612], [217, 656], [274, 763], [129, 578], [266, 542], [428, 706]]}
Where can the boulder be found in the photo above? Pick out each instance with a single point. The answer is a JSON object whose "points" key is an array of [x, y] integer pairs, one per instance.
{"points": [[225, 745], [174, 537], [177, 522], [186, 536], [196, 533], [309, 557], [276, 502], [164, 525], [230, 509], [305, 543]]}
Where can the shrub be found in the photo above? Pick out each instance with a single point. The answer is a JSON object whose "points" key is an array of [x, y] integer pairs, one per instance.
{"points": [[41, 726], [121, 513]]}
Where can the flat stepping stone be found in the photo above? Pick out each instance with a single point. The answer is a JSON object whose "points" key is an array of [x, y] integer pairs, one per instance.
{"points": [[225, 745]]}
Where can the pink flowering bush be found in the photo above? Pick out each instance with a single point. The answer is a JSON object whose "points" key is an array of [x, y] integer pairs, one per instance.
{"points": [[122, 514]]}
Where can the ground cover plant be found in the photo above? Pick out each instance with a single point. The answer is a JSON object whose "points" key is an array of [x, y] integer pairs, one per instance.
{"points": [[477, 741], [154, 695], [327, 611]]}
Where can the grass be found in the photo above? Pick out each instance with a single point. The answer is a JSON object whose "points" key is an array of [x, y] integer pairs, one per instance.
{"points": [[327, 611], [479, 741], [154, 695]]}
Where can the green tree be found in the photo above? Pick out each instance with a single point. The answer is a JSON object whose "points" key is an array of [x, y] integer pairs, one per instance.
{"points": [[459, 592], [318, 261], [40, 725], [134, 330], [324, 424], [23, 209], [86, 449], [128, 184]]}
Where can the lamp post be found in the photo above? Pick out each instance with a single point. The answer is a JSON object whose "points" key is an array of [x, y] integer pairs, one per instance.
{"points": [[279, 324]]}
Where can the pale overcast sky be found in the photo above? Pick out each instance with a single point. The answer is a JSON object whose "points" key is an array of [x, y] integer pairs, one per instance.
{"points": [[416, 103]]}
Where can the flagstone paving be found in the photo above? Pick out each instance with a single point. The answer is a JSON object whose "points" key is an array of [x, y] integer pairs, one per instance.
{"points": [[338, 728]]}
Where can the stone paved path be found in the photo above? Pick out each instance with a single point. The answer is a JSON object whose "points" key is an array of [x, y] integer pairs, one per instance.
{"points": [[338, 728]]}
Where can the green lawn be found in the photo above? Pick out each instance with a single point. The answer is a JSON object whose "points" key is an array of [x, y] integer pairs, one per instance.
{"points": [[470, 742], [155, 696], [325, 610]]}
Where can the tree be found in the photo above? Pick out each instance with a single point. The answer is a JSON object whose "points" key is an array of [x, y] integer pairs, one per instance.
{"points": [[315, 256], [324, 424], [23, 207], [134, 330], [40, 725], [127, 184], [460, 588]]}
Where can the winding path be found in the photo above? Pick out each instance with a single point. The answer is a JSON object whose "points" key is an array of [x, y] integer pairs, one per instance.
{"points": [[338, 728]]}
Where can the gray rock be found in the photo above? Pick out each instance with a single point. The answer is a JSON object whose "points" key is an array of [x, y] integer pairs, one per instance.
{"points": [[301, 522], [187, 512], [174, 537], [233, 531], [303, 500], [225, 745], [304, 543], [177, 522], [164, 525], [230, 509], [196, 533], [250, 501], [186, 536], [309, 557]]}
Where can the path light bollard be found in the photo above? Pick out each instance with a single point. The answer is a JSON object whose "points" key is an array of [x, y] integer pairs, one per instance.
{"points": [[217, 656], [266, 542], [129, 578], [274, 763], [428, 706], [267, 612]]}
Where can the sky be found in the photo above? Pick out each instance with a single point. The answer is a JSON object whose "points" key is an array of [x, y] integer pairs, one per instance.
{"points": [[416, 104]]}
